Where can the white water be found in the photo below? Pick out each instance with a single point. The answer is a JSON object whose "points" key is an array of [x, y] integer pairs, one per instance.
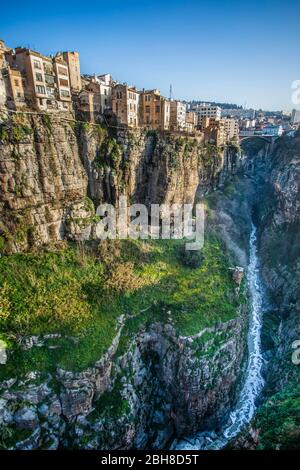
{"points": [[245, 407]]}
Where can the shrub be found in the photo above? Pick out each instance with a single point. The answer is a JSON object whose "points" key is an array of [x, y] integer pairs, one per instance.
{"points": [[123, 279], [191, 258]]}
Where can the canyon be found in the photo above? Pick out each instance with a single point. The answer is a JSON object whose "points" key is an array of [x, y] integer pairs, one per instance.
{"points": [[162, 373]]}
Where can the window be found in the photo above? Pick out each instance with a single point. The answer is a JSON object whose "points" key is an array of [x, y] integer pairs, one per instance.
{"points": [[63, 82], [50, 91], [39, 77], [16, 82], [40, 89], [49, 79], [64, 93], [19, 94], [37, 64], [62, 71], [105, 92], [147, 109], [157, 109]]}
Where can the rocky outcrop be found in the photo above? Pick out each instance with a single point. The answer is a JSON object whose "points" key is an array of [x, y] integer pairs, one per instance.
{"points": [[164, 385], [278, 218], [53, 174]]}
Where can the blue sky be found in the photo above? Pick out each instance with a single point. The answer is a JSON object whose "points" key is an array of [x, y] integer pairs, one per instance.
{"points": [[212, 50]]}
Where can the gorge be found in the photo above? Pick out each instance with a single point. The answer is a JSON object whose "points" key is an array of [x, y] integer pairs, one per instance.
{"points": [[164, 356]]}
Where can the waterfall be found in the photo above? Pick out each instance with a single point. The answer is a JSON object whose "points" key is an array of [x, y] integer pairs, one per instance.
{"points": [[253, 384]]}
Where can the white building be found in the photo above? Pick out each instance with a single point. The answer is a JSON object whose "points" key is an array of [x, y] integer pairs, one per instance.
{"points": [[295, 119], [177, 115], [105, 87], [207, 111]]}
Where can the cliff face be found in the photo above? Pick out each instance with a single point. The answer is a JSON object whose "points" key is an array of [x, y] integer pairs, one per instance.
{"points": [[50, 169], [151, 385], [275, 179], [279, 222], [42, 179], [161, 386]]}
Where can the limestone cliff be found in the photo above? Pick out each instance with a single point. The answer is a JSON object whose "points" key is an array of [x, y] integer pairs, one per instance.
{"points": [[51, 168], [156, 383]]}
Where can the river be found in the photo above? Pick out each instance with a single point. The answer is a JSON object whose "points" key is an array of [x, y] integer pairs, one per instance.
{"points": [[253, 384]]}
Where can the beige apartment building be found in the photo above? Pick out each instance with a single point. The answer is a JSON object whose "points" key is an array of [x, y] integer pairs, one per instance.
{"points": [[177, 116], [213, 131], [73, 63], [95, 97], [37, 81], [125, 105], [231, 128], [190, 121], [154, 110], [16, 85], [90, 100], [63, 83]]}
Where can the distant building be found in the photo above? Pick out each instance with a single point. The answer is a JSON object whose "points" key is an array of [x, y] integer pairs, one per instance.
{"points": [[105, 88], [247, 123], [295, 118], [125, 105], [231, 128], [213, 131], [63, 82], [16, 85], [45, 81], [154, 110], [95, 98], [207, 111], [239, 113], [272, 130], [177, 116], [72, 61], [190, 121]]}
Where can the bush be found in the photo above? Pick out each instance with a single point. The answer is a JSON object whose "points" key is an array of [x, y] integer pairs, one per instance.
{"points": [[123, 279], [191, 258]]}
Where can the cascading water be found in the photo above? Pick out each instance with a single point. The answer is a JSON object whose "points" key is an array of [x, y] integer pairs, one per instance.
{"points": [[245, 407]]}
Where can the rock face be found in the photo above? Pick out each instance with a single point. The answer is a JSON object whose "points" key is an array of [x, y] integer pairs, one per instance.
{"points": [[54, 173], [275, 179], [279, 223], [165, 385]]}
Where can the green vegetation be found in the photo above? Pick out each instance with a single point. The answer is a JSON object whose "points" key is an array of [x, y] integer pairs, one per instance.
{"points": [[9, 435], [81, 293], [46, 120], [14, 131], [111, 404], [109, 153], [278, 420]]}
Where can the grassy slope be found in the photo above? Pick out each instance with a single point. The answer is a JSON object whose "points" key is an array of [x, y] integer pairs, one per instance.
{"points": [[67, 292], [278, 420]]}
